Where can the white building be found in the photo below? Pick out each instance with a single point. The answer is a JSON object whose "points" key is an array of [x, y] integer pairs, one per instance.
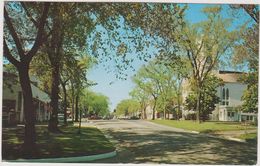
{"points": [[230, 94], [230, 99], [12, 109]]}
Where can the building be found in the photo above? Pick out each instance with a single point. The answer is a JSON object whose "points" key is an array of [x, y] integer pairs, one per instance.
{"points": [[157, 115], [12, 109], [230, 99], [230, 94]]}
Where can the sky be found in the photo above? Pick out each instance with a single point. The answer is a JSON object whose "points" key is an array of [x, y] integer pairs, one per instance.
{"points": [[118, 90]]}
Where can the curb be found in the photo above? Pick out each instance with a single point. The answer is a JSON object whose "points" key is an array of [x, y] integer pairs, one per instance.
{"points": [[225, 138], [235, 139], [69, 159]]}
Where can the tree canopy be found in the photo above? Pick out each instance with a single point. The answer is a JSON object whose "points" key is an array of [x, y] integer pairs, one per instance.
{"points": [[128, 108], [96, 104]]}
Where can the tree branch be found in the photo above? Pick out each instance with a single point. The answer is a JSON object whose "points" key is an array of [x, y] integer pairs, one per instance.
{"points": [[9, 56], [13, 33], [249, 10], [29, 14], [39, 38], [35, 22]]}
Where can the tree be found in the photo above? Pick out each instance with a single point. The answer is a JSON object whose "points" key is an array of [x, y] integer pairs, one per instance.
{"points": [[66, 74], [141, 26], [62, 39], [159, 82], [128, 108], [67, 33], [142, 97], [251, 9], [246, 54], [97, 104], [181, 68], [203, 44], [249, 49], [76, 16], [21, 59], [250, 95], [208, 96]]}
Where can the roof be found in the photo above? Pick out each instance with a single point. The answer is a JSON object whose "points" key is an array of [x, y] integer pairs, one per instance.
{"points": [[229, 76], [36, 91], [39, 94]]}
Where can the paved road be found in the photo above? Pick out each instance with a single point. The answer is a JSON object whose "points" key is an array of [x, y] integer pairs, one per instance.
{"points": [[140, 141]]}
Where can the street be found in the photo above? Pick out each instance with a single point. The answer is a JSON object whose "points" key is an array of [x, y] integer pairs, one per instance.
{"points": [[139, 141]]}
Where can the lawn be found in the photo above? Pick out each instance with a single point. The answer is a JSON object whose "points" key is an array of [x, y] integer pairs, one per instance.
{"points": [[249, 137], [204, 127], [67, 144]]}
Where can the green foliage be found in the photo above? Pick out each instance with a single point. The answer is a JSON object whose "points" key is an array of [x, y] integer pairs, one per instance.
{"points": [[135, 29], [142, 97], [246, 54], [40, 67], [250, 95], [158, 81], [128, 107], [249, 137], [209, 97], [95, 103], [204, 44]]}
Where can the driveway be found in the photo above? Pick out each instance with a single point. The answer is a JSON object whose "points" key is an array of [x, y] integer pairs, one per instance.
{"points": [[139, 141]]}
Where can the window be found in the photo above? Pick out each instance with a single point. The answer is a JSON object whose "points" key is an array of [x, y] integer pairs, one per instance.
{"points": [[225, 96], [231, 114]]}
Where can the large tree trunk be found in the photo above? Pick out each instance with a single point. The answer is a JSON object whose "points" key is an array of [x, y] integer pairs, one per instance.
{"points": [[29, 111], [65, 102], [53, 122], [55, 53]]}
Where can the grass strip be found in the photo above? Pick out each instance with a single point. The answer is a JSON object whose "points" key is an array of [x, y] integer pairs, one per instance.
{"points": [[204, 127], [69, 143]]}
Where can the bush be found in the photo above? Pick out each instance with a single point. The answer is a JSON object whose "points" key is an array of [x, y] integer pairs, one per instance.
{"points": [[134, 118], [191, 116]]}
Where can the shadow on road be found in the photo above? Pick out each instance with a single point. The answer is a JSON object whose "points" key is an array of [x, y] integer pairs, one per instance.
{"points": [[178, 148]]}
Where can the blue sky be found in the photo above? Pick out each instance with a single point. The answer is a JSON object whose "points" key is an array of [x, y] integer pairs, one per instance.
{"points": [[118, 90]]}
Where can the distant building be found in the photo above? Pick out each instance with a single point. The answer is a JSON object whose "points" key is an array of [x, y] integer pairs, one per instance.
{"points": [[157, 115], [12, 105]]}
